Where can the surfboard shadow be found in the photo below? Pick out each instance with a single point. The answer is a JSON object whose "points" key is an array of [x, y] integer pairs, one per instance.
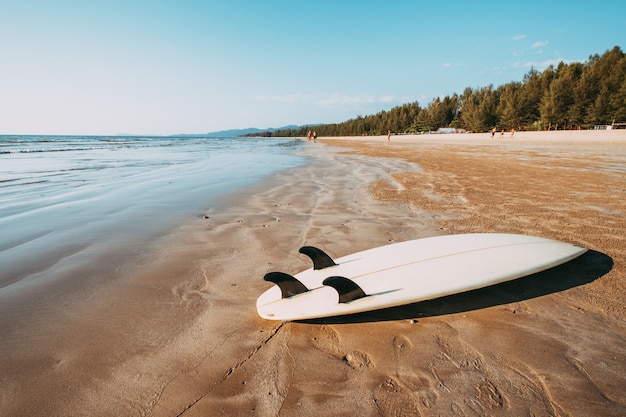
{"points": [[580, 271]]}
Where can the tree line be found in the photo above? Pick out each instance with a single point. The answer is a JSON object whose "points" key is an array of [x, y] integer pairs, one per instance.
{"points": [[568, 96]]}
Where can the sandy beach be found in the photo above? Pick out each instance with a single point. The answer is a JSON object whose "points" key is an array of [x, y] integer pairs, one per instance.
{"points": [[177, 334]]}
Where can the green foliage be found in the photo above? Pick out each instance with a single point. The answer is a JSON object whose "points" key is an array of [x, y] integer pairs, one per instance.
{"points": [[478, 113], [570, 96]]}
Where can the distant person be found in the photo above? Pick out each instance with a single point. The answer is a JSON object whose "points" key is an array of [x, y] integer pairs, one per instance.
{"points": [[512, 133], [493, 132], [314, 136], [502, 133], [389, 136], [308, 136]]}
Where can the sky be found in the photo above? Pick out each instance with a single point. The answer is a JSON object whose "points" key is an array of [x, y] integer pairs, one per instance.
{"points": [[92, 67]]}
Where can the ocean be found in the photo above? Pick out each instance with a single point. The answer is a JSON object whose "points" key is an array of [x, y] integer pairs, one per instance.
{"points": [[64, 197]]}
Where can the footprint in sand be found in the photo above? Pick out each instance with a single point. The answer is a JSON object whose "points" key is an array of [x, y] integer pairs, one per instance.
{"points": [[402, 344], [417, 385], [326, 339], [391, 398], [358, 360], [489, 395]]}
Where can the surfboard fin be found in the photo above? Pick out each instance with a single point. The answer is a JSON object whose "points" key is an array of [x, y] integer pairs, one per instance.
{"points": [[348, 290], [289, 285], [320, 259]]}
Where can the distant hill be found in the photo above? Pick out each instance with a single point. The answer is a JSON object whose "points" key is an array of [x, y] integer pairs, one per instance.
{"points": [[233, 133]]}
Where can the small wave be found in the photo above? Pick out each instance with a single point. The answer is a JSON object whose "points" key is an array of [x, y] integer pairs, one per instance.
{"points": [[33, 147], [43, 150], [289, 144]]}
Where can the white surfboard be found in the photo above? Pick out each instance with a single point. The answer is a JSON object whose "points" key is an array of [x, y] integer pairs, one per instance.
{"points": [[407, 272]]}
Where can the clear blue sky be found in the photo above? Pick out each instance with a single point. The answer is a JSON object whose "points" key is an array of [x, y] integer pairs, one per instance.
{"points": [[167, 67]]}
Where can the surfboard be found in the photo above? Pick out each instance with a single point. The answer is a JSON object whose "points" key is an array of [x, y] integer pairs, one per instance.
{"points": [[407, 272]]}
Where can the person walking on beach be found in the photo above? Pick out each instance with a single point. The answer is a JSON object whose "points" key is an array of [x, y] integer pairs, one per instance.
{"points": [[314, 136], [388, 135], [512, 133], [308, 136], [493, 132]]}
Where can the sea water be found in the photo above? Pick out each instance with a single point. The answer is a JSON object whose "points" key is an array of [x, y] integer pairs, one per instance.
{"points": [[60, 195]]}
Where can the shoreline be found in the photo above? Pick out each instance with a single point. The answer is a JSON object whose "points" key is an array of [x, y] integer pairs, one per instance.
{"points": [[558, 136], [178, 334], [100, 201]]}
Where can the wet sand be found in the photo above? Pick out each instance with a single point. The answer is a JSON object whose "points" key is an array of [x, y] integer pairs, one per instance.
{"points": [[176, 333]]}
